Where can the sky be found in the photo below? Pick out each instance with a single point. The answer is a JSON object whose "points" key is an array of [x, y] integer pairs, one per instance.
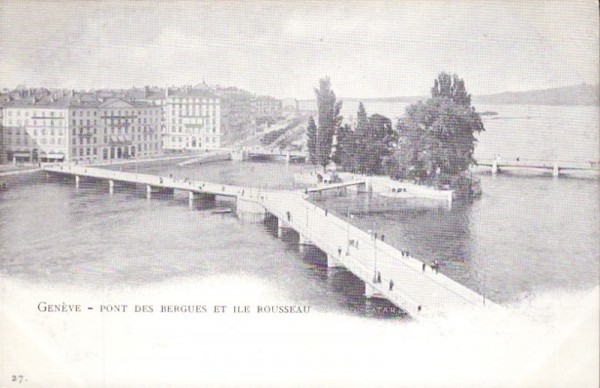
{"points": [[282, 49]]}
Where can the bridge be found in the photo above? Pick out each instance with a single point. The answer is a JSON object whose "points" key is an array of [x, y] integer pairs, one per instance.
{"points": [[267, 154], [556, 167], [334, 186], [385, 271]]}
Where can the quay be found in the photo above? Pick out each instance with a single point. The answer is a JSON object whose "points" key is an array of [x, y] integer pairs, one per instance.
{"points": [[386, 272]]}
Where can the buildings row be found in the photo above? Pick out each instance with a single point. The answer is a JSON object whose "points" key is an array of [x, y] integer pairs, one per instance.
{"points": [[39, 125]]}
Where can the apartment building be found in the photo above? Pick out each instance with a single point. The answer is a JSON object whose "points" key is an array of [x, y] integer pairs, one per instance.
{"points": [[192, 118], [79, 130]]}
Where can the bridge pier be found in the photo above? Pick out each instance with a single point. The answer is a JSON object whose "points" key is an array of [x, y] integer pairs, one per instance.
{"points": [[250, 210], [158, 190], [494, 167], [369, 290], [282, 226], [77, 179], [111, 187], [555, 170], [333, 262], [191, 199], [304, 241]]}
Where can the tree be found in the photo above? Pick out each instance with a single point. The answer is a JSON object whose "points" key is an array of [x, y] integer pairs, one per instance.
{"points": [[378, 143], [329, 120], [437, 137], [366, 147], [451, 87], [311, 141]]}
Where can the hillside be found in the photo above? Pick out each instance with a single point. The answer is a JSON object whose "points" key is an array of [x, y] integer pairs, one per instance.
{"points": [[582, 94], [568, 95]]}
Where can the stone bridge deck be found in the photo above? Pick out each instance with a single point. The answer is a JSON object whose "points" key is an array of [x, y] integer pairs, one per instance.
{"points": [[420, 293]]}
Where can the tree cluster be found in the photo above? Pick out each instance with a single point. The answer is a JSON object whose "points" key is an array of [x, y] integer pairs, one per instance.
{"points": [[437, 137], [364, 148], [434, 142]]}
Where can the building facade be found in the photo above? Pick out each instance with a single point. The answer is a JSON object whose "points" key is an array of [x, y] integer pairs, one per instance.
{"points": [[2, 153], [265, 106], [82, 131], [192, 119], [237, 114]]}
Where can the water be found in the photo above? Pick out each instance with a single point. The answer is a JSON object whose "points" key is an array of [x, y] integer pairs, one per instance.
{"points": [[529, 243], [537, 132], [524, 235]]}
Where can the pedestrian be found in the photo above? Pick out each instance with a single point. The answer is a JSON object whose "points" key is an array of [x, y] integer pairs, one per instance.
{"points": [[382, 237], [326, 211], [424, 265], [407, 254], [375, 236], [340, 251], [289, 216], [391, 284], [419, 308], [378, 277]]}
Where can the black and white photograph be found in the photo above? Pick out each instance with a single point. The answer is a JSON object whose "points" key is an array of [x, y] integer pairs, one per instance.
{"points": [[303, 193]]}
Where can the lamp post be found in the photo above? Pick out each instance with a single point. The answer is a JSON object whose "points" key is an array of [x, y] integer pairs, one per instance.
{"points": [[375, 254], [350, 216]]}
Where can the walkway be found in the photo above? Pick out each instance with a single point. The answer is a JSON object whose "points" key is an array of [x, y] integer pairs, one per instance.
{"points": [[420, 293], [365, 257]]}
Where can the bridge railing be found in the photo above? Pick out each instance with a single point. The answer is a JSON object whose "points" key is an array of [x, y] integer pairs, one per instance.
{"points": [[370, 258]]}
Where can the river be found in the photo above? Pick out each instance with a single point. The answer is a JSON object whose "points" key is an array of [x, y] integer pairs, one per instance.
{"points": [[529, 243]]}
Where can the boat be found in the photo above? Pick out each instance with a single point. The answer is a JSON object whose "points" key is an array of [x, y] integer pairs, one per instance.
{"points": [[221, 210]]}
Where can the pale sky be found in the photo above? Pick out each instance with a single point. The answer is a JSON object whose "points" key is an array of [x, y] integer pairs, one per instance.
{"points": [[369, 49]]}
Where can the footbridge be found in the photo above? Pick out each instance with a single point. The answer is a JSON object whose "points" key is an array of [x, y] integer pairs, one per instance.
{"points": [[154, 184], [388, 274], [556, 167], [336, 186], [385, 271]]}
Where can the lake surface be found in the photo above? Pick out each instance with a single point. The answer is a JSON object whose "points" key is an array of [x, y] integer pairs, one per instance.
{"points": [[529, 243], [537, 132], [524, 235]]}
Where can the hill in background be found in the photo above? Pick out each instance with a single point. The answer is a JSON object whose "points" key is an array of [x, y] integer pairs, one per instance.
{"points": [[568, 95], [582, 94]]}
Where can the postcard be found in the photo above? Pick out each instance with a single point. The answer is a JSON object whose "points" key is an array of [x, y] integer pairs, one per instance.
{"points": [[302, 193]]}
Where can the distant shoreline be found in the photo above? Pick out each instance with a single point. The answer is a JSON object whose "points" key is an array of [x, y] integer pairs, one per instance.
{"points": [[575, 95]]}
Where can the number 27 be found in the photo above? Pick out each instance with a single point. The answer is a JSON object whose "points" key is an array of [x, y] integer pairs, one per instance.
{"points": [[17, 379]]}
